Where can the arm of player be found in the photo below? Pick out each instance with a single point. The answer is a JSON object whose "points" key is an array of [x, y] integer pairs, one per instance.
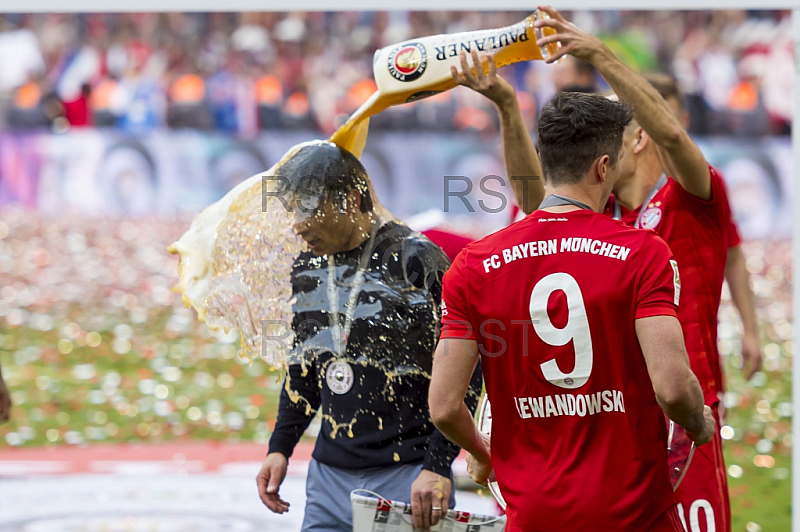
{"points": [[430, 492], [681, 156], [441, 450], [677, 390], [453, 366], [743, 299], [521, 159]]}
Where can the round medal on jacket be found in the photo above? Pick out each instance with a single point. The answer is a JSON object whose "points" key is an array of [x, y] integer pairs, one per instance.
{"points": [[339, 377]]}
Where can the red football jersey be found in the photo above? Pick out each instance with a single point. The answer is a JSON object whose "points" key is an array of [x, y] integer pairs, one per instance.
{"points": [[451, 243], [578, 440], [699, 232]]}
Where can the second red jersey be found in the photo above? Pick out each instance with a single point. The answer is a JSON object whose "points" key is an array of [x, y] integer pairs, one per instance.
{"points": [[451, 243], [699, 232], [578, 439]]}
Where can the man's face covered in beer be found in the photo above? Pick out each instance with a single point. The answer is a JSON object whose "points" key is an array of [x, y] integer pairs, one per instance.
{"points": [[326, 221]]}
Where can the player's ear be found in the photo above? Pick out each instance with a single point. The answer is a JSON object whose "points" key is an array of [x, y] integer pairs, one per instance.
{"points": [[602, 167], [642, 138]]}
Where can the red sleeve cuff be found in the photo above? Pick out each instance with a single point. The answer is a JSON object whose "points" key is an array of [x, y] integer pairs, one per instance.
{"points": [[649, 312], [458, 334]]}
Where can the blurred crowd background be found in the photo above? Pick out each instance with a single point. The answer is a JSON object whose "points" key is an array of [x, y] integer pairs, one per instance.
{"points": [[244, 72]]}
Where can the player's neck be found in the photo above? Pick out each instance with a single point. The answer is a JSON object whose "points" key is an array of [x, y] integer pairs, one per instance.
{"points": [[631, 193], [578, 193]]}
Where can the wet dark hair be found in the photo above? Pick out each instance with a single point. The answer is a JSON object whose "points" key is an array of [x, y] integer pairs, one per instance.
{"points": [[577, 128], [327, 172]]}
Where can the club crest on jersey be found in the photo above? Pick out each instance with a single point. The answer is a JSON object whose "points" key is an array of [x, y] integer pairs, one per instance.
{"points": [[339, 377], [651, 218], [408, 62]]}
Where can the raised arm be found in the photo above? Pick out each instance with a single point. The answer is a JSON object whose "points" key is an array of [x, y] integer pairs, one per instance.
{"points": [[677, 390], [521, 159], [681, 156]]}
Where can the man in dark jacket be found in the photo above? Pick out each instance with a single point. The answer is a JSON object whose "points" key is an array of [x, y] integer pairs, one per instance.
{"points": [[366, 322]]}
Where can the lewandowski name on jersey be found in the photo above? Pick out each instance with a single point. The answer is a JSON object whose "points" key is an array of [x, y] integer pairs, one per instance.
{"points": [[570, 405], [538, 248]]}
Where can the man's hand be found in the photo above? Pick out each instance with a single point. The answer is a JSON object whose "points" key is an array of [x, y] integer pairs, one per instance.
{"points": [[5, 402], [430, 499], [269, 479], [490, 84], [709, 426], [574, 41], [480, 468], [751, 355]]}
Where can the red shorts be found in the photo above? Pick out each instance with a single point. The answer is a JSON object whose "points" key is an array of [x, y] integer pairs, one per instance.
{"points": [[703, 502]]}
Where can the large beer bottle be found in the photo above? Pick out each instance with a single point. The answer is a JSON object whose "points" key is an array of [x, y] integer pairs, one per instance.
{"points": [[412, 70]]}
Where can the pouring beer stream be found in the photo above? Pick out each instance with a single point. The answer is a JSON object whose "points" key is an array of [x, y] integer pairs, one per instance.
{"points": [[418, 68]]}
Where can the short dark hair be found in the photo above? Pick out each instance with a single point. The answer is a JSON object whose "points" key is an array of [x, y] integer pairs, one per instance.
{"points": [[666, 85], [327, 172], [577, 128]]}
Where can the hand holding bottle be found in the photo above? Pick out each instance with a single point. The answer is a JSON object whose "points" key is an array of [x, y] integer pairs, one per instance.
{"points": [[574, 41], [483, 78]]}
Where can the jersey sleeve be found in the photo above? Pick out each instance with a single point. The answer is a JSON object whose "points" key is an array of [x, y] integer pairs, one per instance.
{"points": [[734, 239], [659, 286], [456, 321], [731, 231], [714, 211]]}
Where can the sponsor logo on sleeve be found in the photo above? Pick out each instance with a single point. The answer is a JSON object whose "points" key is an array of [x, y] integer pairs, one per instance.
{"points": [[676, 280]]}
